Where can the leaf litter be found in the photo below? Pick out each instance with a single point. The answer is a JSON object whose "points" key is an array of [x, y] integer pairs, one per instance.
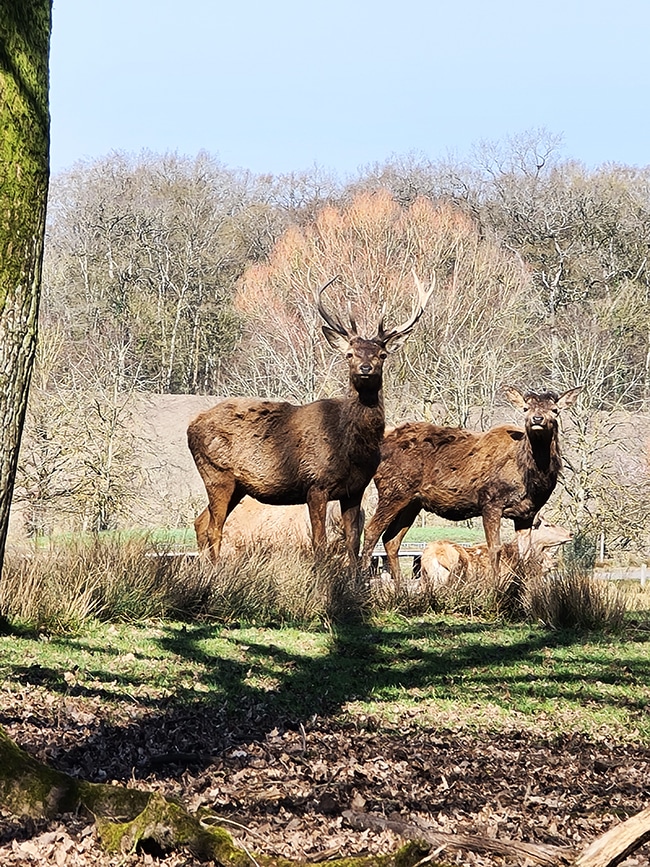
{"points": [[289, 787]]}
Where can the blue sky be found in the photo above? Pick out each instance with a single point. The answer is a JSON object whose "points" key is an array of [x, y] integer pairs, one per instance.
{"points": [[283, 85]]}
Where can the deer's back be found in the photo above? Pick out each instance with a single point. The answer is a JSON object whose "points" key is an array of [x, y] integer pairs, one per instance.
{"points": [[439, 559], [442, 558], [277, 451]]}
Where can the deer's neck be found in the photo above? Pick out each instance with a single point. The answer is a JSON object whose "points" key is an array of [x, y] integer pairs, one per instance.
{"points": [[365, 418], [369, 397], [545, 453], [542, 463]]}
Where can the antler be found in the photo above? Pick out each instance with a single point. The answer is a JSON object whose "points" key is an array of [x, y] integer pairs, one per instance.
{"points": [[405, 328], [333, 321]]}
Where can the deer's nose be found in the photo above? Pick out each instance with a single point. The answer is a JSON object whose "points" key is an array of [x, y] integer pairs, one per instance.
{"points": [[366, 368], [538, 419]]}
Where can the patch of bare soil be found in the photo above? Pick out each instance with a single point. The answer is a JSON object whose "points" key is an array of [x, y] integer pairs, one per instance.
{"points": [[295, 789]]}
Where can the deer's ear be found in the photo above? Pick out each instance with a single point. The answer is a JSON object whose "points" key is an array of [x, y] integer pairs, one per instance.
{"points": [[336, 340], [515, 397], [569, 397]]}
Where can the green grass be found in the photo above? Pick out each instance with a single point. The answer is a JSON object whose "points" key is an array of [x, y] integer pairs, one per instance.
{"points": [[444, 672], [455, 533], [184, 539], [177, 538]]}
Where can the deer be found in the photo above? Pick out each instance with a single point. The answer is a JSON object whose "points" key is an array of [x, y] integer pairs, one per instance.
{"points": [[441, 558], [505, 472], [273, 527], [285, 454]]}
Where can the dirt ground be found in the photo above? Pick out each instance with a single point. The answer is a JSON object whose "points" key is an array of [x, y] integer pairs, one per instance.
{"points": [[287, 787]]}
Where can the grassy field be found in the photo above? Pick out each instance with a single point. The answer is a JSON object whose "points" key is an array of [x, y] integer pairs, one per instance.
{"points": [[184, 538], [446, 672]]}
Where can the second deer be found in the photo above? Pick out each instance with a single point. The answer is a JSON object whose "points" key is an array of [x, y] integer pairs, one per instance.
{"points": [[505, 472]]}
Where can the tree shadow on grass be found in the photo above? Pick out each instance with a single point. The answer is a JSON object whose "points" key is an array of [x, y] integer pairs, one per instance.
{"points": [[251, 686], [260, 687]]}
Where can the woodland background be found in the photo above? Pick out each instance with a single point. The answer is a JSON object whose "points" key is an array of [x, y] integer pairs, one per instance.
{"points": [[171, 280]]}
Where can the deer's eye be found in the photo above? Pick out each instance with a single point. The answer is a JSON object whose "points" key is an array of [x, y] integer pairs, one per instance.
{"points": [[349, 354], [383, 355]]}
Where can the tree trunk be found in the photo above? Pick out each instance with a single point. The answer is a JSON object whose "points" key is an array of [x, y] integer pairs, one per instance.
{"points": [[25, 27]]}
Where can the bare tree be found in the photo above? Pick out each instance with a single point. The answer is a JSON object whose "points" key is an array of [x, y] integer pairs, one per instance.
{"points": [[584, 235], [152, 246], [78, 466], [605, 481], [45, 477]]}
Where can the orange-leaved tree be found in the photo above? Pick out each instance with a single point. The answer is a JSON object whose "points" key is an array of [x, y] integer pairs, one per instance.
{"points": [[471, 333]]}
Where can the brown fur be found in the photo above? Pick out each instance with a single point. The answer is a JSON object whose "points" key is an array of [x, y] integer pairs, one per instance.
{"points": [[283, 454], [506, 472], [274, 527], [441, 559]]}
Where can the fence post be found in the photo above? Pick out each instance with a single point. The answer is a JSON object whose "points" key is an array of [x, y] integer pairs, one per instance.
{"points": [[602, 547]]}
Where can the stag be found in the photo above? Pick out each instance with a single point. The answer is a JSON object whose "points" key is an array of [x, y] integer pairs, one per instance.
{"points": [[441, 559], [282, 454], [505, 472]]}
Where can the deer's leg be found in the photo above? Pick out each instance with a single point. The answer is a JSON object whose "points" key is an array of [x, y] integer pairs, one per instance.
{"points": [[350, 510], [201, 529], [317, 505], [385, 513], [395, 532], [492, 528], [223, 496]]}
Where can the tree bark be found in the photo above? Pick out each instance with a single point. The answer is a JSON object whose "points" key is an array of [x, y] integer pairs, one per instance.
{"points": [[537, 853], [25, 27], [619, 842]]}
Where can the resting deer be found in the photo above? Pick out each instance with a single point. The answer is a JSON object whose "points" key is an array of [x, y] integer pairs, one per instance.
{"points": [[283, 454], [505, 472], [441, 558], [272, 527]]}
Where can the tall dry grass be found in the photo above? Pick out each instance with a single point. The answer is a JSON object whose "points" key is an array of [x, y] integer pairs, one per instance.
{"points": [[263, 586], [112, 578], [568, 596], [571, 597], [58, 588]]}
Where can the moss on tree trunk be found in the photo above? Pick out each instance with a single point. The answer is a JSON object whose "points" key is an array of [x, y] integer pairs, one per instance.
{"points": [[25, 27]]}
